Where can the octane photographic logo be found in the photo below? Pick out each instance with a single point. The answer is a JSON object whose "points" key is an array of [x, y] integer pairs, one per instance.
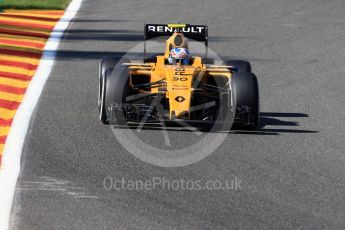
{"points": [[161, 144]]}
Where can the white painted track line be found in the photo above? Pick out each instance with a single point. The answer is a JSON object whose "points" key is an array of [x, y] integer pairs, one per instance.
{"points": [[13, 147]]}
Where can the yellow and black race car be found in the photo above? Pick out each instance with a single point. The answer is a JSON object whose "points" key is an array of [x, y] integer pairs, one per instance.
{"points": [[177, 87]]}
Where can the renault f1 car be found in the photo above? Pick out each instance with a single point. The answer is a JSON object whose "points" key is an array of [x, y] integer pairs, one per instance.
{"points": [[156, 90]]}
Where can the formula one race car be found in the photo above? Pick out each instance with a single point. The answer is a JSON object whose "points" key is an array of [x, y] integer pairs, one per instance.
{"points": [[178, 87]]}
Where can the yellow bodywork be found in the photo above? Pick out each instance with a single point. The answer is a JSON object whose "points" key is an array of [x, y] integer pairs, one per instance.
{"points": [[178, 79]]}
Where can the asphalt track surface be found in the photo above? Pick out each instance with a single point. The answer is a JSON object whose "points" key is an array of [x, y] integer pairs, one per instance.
{"points": [[291, 170]]}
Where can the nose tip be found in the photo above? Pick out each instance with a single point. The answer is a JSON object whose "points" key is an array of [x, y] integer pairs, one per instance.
{"points": [[182, 114]]}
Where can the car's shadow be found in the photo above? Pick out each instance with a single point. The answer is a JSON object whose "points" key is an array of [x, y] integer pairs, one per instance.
{"points": [[266, 119], [277, 119]]}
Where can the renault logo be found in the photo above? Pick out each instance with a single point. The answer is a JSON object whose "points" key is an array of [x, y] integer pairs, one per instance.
{"points": [[180, 99]]}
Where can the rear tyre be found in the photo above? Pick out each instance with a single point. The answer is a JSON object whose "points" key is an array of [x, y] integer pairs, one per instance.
{"points": [[246, 94], [242, 66]]}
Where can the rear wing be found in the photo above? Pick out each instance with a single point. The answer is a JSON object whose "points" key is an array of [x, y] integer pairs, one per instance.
{"points": [[195, 32]]}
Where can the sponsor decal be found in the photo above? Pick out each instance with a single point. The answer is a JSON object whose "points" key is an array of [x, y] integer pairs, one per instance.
{"points": [[179, 88]]}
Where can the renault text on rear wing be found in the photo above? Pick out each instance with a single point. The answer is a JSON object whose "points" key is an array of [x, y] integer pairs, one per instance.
{"points": [[195, 32]]}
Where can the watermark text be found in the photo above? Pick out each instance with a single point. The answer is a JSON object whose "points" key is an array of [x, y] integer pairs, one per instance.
{"points": [[163, 183]]}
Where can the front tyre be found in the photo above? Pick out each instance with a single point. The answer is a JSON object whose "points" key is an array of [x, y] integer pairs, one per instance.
{"points": [[106, 66], [117, 91], [246, 90], [102, 96]]}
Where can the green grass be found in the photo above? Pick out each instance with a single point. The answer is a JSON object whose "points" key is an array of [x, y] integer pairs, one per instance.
{"points": [[34, 4]]}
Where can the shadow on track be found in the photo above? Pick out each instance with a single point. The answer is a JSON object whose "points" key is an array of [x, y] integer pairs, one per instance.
{"points": [[275, 119], [267, 119]]}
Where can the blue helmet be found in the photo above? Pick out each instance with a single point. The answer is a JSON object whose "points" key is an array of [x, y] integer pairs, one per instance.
{"points": [[179, 54]]}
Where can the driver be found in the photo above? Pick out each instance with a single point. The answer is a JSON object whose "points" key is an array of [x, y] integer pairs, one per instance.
{"points": [[179, 55], [177, 49]]}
